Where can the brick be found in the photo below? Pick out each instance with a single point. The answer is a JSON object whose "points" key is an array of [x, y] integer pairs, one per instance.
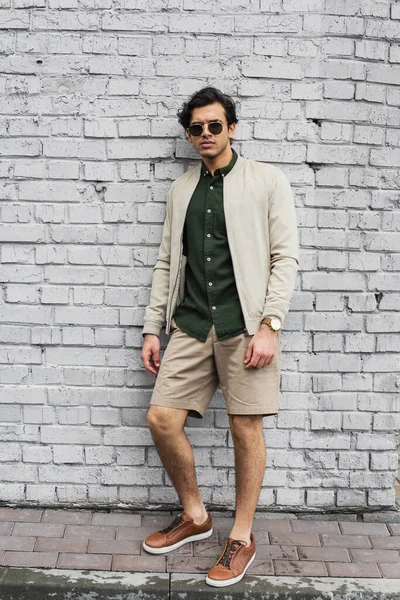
{"points": [[366, 441], [302, 568], [60, 545], [390, 570], [351, 498], [267, 46], [84, 561], [295, 539], [76, 474], [339, 90], [383, 542], [382, 498], [364, 528], [272, 525], [67, 517], [324, 554], [6, 528], [273, 24], [90, 531], [351, 7], [316, 527], [274, 552], [329, 153], [45, 560], [188, 564], [345, 541], [135, 533], [154, 564], [287, 70], [337, 46], [394, 528], [39, 529], [353, 570], [371, 49], [374, 556], [114, 547], [23, 544]]}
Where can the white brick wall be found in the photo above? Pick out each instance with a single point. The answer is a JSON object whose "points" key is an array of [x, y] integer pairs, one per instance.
{"points": [[89, 146]]}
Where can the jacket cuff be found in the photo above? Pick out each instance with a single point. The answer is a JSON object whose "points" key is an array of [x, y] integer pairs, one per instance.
{"points": [[152, 327], [273, 311]]}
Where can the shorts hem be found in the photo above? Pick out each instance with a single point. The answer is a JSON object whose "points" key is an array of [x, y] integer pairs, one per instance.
{"points": [[168, 405], [264, 413]]}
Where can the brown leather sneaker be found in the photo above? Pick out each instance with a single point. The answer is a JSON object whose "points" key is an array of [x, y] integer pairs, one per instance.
{"points": [[181, 531], [233, 563]]}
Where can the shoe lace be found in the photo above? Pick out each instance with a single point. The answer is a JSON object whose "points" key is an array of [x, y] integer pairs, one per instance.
{"points": [[229, 551], [172, 525]]}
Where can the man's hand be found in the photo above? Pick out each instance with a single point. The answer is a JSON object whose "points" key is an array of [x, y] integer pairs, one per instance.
{"points": [[261, 349], [151, 353]]}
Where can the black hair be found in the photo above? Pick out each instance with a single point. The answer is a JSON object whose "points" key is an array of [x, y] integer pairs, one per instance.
{"points": [[203, 97]]}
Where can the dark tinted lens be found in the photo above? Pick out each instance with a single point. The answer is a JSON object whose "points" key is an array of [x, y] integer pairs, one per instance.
{"points": [[195, 129], [215, 128]]}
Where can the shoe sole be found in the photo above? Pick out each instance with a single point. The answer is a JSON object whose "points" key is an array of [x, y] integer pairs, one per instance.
{"points": [[166, 549], [225, 582]]}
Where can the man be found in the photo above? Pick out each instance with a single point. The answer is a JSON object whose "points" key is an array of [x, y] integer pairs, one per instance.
{"points": [[222, 284]]}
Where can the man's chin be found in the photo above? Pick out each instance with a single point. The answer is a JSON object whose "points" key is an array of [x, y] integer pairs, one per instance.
{"points": [[207, 151]]}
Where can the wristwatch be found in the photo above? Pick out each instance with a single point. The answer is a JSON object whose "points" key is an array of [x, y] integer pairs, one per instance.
{"points": [[273, 323]]}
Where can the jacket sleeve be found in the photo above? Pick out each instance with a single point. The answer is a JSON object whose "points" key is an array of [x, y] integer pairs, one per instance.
{"points": [[155, 315], [284, 248]]}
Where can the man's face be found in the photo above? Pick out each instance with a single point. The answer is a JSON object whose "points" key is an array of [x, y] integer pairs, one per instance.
{"points": [[210, 145]]}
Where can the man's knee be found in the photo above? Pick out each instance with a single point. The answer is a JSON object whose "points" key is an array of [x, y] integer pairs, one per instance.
{"points": [[243, 426], [163, 421]]}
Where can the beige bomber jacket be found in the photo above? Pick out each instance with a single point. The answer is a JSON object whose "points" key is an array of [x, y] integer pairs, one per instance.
{"points": [[263, 240]]}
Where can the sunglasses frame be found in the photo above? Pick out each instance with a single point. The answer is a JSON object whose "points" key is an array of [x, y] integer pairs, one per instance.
{"points": [[202, 127]]}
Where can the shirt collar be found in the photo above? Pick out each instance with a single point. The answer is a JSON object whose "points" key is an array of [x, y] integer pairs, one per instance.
{"points": [[222, 170]]}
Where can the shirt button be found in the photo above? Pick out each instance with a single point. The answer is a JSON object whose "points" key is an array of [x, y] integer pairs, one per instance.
{"points": [[211, 187], [208, 234], [210, 283], [208, 258], [214, 307]]}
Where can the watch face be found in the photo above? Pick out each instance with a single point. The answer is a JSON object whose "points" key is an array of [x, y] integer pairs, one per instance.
{"points": [[275, 323]]}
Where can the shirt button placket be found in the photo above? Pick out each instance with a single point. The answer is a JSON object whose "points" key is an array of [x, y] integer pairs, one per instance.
{"points": [[208, 250]]}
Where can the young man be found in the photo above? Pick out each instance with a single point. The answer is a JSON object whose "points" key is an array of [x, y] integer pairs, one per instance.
{"points": [[222, 285]]}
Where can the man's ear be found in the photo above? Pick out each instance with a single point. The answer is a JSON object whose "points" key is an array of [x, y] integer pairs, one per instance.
{"points": [[231, 129]]}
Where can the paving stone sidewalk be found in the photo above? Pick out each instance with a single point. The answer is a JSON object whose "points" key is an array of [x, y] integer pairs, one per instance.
{"points": [[111, 541]]}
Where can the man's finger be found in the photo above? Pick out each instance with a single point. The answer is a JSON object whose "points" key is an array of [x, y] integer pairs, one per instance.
{"points": [[254, 360], [269, 360], [156, 358], [249, 352], [147, 364]]}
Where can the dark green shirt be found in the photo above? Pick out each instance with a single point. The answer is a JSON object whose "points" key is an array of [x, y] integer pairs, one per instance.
{"points": [[210, 295]]}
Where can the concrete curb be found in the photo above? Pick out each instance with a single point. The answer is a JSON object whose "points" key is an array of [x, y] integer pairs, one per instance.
{"points": [[61, 584], [265, 587]]}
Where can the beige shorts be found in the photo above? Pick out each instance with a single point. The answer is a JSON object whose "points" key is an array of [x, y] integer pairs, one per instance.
{"points": [[191, 370]]}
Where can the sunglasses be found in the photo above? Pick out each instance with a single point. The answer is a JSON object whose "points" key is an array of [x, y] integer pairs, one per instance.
{"points": [[196, 129]]}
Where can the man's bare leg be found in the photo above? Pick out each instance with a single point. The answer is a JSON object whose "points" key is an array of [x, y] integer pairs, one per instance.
{"points": [[250, 459], [176, 454]]}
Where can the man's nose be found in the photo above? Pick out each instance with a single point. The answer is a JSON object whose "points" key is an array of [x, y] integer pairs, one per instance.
{"points": [[205, 129]]}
